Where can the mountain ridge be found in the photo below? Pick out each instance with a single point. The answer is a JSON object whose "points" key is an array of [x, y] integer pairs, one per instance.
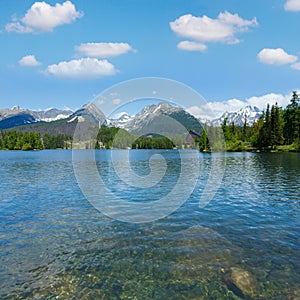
{"points": [[148, 116], [249, 114], [17, 116], [157, 117]]}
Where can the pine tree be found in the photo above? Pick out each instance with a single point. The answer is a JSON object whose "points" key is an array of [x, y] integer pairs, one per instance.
{"points": [[267, 128], [278, 132], [204, 142], [291, 117]]}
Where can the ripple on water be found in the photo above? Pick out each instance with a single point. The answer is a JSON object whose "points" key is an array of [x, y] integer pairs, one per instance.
{"points": [[55, 245]]}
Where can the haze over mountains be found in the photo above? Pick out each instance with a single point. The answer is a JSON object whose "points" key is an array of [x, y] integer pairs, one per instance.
{"points": [[153, 116]]}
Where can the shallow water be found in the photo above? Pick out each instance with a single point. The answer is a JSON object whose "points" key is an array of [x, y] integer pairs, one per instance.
{"points": [[55, 245]]}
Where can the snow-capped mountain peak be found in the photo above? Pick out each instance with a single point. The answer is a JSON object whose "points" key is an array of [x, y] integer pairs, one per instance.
{"points": [[15, 107], [16, 116], [52, 114], [151, 117], [249, 114], [119, 120]]}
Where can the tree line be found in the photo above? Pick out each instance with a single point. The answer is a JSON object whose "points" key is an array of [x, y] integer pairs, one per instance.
{"points": [[112, 137], [17, 140], [276, 129]]}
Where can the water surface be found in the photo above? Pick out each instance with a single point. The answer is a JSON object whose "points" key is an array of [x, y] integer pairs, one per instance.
{"points": [[55, 245]]}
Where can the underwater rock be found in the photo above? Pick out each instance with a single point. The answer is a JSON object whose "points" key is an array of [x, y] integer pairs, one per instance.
{"points": [[241, 282], [295, 294]]}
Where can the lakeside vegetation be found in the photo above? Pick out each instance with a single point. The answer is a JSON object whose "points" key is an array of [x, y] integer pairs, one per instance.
{"points": [[17, 140], [277, 130]]}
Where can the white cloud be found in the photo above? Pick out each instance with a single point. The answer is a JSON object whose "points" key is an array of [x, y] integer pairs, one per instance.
{"points": [[296, 66], [42, 17], [271, 98], [212, 110], [292, 5], [118, 115], [104, 50], [191, 46], [204, 29], [82, 68], [100, 101], [276, 57], [116, 101], [195, 111], [29, 61]]}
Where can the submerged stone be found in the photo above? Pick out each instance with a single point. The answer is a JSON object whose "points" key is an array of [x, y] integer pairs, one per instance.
{"points": [[241, 282], [295, 295]]}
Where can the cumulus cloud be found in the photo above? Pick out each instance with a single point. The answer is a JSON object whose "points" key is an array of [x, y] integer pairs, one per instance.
{"points": [[195, 111], [204, 29], [191, 46], [292, 5], [296, 66], [212, 110], [276, 57], [82, 68], [29, 61], [104, 50], [271, 98], [116, 101], [42, 17]]}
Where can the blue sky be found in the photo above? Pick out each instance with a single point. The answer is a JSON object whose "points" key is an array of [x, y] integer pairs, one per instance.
{"points": [[64, 53]]}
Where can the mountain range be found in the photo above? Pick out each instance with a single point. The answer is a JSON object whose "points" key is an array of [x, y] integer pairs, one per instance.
{"points": [[249, 114], [157, 118], [152, 117], [16, 116]]}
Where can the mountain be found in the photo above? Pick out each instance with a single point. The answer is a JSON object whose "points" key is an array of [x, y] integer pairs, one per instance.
{"points": [[160, 118], [249, 113], [157, 118], [52, 114], [17, 120], [121, 120], [85, 119], [89, 112], [16, 116]]}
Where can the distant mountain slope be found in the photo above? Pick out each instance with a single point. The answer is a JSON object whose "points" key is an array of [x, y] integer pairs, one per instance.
{"points": [[16, 120], [157, 118], [17, 116], [52, 114], [249, 113], [89, 112], [121, 121], [53, 128], [151, 119], [87, 115]]}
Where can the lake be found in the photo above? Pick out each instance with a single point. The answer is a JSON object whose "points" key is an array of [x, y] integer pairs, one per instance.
{"points": [[244, 244]]}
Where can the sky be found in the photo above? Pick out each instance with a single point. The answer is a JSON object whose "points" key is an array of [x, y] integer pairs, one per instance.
{"points": [[65, 53]]}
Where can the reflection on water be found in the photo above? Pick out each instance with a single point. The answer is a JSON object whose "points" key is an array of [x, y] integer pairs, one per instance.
{"points": [[243, 245]]}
